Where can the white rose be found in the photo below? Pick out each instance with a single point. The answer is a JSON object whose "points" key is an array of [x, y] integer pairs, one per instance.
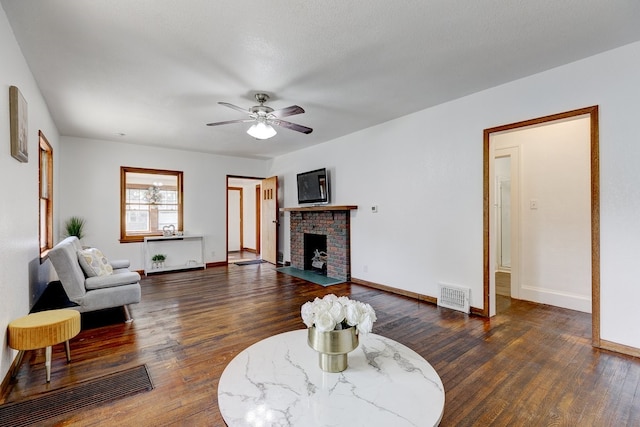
{"points": [[324, 322], [306, 311], [330, 298], [366, 324], [329, 312], [353, 313], [367, 318], [337, 312], [370, 311], [321, 306], [344, 300]]}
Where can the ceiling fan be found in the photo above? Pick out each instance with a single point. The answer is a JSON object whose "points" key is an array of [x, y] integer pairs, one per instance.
{"points": [[264, 117]]}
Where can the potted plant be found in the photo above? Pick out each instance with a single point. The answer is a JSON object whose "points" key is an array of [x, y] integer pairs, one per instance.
{"points": [[158, 260], [74, 226]]}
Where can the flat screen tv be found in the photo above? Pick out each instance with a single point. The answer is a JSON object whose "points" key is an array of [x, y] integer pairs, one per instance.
{"points": [[313, 187]]}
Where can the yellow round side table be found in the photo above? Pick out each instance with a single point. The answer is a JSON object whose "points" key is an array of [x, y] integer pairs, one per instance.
{"points": [[44, 329]]}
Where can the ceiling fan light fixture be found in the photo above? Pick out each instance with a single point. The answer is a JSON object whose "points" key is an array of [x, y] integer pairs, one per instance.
{"points": [[262, 130]]}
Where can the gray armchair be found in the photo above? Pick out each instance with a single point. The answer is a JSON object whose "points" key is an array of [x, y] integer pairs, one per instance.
{"points": [[118, 286]]}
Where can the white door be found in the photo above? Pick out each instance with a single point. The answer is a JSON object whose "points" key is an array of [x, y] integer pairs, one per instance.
{"points": [[269, 227]]}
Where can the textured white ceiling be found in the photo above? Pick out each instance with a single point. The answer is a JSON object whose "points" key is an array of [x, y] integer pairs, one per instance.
{"points": [[155, 69]]}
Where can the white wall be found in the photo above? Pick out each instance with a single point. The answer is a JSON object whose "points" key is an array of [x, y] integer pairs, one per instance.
{"points": [[22, 278], [424, 171], [249, 220], [503, 214], [233, 218], [90, 187], [554, 266]]}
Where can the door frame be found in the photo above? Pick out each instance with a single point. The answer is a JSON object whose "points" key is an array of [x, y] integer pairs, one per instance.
{"points": [[226, 229], [595, 208]]}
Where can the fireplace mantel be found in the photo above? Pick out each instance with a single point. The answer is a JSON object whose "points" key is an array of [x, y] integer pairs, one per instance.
{"points": [[321, 208]]}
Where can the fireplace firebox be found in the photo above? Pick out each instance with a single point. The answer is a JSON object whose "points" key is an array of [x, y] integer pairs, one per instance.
{"points": [[315, 253]]}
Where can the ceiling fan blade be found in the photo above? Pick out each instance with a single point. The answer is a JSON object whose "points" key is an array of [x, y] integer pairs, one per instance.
{"points": [[292, 126], [289, 111], [235, 107], [230, 121]]}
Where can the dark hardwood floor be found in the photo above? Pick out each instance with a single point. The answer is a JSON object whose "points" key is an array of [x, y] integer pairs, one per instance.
{"points": [[532, 365], [237, 256]]}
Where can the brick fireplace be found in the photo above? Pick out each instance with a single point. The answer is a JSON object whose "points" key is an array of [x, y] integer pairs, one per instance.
{"points": [[330, 221]]}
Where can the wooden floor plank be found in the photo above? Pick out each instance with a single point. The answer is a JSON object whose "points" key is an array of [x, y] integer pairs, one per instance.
{"points": [[531, 365]]}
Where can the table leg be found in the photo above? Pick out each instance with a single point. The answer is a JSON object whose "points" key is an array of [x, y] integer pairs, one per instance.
{"points": [[68, 350], [47, 363]]}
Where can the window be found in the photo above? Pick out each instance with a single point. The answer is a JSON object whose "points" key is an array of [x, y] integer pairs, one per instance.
{"points": [[150, 199], [46, 196]]}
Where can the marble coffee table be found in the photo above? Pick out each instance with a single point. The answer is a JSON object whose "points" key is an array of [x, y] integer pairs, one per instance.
{"points": [[277, 382]]}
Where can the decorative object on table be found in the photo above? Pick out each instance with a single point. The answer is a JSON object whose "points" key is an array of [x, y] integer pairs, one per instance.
{"points": [[74, 226], [168, 230], [319, 259], [334, 324], [18, 125], [158, 260]]}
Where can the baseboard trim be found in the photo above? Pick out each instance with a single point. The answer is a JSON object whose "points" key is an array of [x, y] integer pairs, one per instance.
{"points": [[4, 386], [414, 295], [619, 348], [410, 294], [217, 264]]}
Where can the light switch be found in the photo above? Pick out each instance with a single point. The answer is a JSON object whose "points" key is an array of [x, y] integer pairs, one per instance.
{"points": [[533, 204], [374, 209]]}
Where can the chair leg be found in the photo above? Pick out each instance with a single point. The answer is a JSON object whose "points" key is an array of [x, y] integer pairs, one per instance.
{"points": [[47, 362], [127, 315], [68, 350]]}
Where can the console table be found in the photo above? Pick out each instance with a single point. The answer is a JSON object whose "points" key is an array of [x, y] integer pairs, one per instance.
{"points": [[183, 252], [277, 381]]}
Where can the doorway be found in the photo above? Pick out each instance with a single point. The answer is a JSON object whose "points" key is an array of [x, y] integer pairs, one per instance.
{"points": [[529, 206], [243, 219], [507, 230]]}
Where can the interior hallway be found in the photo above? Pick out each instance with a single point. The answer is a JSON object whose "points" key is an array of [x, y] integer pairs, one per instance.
{"points": [[503, 291]]}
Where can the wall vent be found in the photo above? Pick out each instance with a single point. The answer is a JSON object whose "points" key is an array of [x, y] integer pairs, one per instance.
{"points": [[454, 297]]}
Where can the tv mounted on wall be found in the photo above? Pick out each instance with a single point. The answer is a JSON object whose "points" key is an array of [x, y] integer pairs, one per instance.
{"points": [[313, 187]]}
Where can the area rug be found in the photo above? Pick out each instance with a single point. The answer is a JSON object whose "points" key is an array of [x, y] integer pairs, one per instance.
{"points": [[37, 409], [251, 262], [309, 276]]}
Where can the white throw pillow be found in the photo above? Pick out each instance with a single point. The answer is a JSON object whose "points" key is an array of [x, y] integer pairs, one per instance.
{"points": [[94, 263]]}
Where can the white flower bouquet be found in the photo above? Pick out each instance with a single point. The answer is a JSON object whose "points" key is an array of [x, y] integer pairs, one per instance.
{"points": [[335, 313]]}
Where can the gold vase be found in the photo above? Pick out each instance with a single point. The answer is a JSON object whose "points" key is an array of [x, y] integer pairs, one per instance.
{"points": [[333, 346]]}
